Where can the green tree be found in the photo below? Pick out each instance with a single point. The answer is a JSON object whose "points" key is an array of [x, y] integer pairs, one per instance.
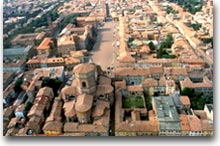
{"points": [[151, 46], [187, 91], [28, 106], [148, 102], [52, 83], [17, 86]]}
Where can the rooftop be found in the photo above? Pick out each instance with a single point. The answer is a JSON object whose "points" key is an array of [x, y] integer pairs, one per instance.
{"points": [[45, 44], [185, 100], [194, 123], [166, 113], [46, 91], [84, 103], [84, 68]]}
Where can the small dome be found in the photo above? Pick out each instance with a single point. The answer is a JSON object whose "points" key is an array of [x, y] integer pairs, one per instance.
{"points": [[84, 103], [84, 68]]}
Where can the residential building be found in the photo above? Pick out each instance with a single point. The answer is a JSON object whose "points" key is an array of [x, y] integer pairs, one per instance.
{"points": [[202, 87], [44, 49], [208, 108], [16, 52], [167, 116], [16, 65], [53, 124], [8, 77], [50, 72], [195, 125]]}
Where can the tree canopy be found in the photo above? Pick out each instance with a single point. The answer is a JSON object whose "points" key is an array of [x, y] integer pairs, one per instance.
{"points": [[162, 51], [198, 100], [191, 6], [152, 46], [52, 83]]}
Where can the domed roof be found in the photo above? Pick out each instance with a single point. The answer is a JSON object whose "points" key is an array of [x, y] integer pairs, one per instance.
{"points": [[104, 89], [84, 68], [84, 103]]}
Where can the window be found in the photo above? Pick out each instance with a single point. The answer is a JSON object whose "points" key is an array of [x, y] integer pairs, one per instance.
{"points": [[83, 84]]}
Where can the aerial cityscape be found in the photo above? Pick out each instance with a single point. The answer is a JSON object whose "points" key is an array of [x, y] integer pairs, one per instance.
{"points": [[108, 68]]}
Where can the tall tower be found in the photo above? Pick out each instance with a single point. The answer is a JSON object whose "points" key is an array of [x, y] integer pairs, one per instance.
{"points": [[86, 77], [50, 26]]}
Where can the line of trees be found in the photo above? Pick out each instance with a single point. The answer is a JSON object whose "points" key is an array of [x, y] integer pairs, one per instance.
{"points": [[30, 28], [191, 6], [195, 26]]}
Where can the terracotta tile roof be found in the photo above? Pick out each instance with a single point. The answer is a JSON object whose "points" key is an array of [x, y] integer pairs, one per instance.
{"points": [[13, 122], [84, 103], [185, 100], [207, 125], [194, 123], [120, 84], [68, 90], [69, 108], [137, 126], [40, 104], [33, 61], [35, 126], [170, 83], [45, 44], [184, 124], [149, 82], [104, 80], [201, 114], [76, 127], [103, 120], [187, 83], [136, 88], [55, 114], [53, 126], [175, 71], [162, 81], [104, 89], [181, 43], [84, 68], [156, 70], [100, 107], [132, 72], [20, 108], [8, 111], [46, 91]]}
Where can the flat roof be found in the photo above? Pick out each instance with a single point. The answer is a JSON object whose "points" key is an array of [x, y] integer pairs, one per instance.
{"points": [[166, 113]]}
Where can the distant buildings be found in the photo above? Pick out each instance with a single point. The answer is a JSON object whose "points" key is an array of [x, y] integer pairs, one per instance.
{"points": [[28, 39], [16, 52]]}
